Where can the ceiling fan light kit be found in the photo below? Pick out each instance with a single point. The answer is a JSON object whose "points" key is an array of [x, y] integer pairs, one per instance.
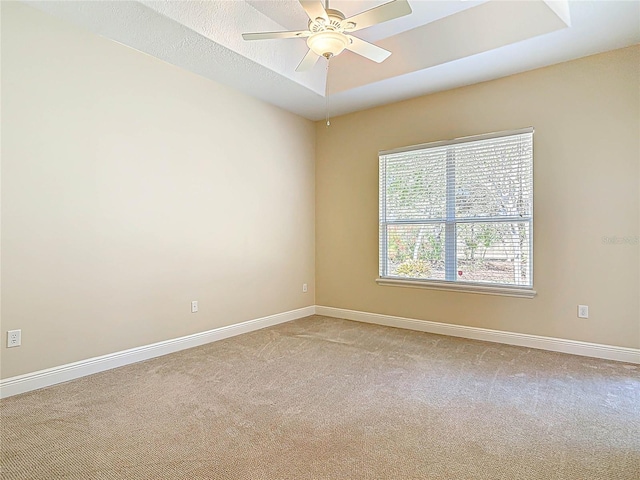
{"points": [[328, 44]]}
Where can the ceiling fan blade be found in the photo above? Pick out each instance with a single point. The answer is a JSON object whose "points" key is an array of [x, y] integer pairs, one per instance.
{"points": [[314, 9], [307, 62], [382, 13], [269, 35], [368, 50]]}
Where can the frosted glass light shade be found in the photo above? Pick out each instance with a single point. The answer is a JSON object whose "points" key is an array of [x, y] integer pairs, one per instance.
{"points": [[327, 43]]}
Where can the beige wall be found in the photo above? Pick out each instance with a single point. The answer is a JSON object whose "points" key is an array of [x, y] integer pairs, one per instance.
{"points": [[586, 115], [131, 187]]}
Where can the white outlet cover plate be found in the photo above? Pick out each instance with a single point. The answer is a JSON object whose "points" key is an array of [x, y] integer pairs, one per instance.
{"points": [[14, 338], [194, 306], [583, 311]]}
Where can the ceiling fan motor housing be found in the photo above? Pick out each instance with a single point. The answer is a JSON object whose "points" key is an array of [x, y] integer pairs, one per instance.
{"points": [[335, 22]]}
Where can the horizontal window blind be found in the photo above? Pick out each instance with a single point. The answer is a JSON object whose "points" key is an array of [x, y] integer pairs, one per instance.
{"points": [[459, 210]]}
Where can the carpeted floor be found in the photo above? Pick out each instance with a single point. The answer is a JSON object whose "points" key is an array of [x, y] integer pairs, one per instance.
{"points": [[322, 398]]}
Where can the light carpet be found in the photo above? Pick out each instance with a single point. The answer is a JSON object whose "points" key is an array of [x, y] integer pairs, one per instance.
{"points": [[323, 398]]}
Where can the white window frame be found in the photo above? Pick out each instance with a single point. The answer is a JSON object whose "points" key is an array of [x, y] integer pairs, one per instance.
{"points": [[451, 221]]}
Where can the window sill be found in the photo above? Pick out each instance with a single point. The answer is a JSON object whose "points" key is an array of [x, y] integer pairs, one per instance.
{"points": [[459, 287]]}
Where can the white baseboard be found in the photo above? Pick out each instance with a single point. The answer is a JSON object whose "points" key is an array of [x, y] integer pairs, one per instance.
{"points": [[51, 376], [608, 352]]}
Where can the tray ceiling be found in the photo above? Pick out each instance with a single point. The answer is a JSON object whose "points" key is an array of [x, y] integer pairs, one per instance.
{"points": [[441, 45]]}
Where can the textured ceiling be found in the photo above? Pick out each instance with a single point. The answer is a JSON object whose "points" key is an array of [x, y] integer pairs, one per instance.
{"points": [[441, 45]]}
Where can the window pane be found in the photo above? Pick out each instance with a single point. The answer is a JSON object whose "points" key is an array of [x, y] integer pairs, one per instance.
{"points": [[493, 253], [481, 188], [416, 251], [415, 185], [494, 178]]}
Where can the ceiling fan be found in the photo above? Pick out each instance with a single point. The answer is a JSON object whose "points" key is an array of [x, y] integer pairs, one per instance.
{"points": [[328, 32]]}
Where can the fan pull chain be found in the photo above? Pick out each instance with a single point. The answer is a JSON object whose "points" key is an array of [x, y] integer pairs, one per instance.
{"points": [[326, 93]]}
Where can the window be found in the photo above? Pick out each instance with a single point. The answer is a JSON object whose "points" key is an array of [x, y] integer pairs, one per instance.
{"points": [[459, 214]]}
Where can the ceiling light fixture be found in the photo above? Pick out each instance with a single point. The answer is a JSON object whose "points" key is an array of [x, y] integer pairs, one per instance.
{"points": [[328, 40], [328, 33], [328, 43]]}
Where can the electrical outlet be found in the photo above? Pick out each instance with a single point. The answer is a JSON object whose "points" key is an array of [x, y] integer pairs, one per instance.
{"points": [[194, 306], [583, 311], [14, 338], [305, 289]]}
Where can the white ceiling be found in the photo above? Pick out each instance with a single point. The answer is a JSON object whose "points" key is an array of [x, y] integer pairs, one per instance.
{"points": [[441, 45]]}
